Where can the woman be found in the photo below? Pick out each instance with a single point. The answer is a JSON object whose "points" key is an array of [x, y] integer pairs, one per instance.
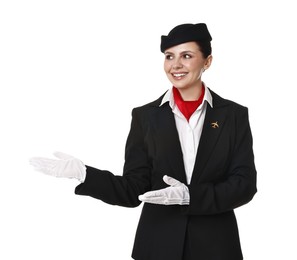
{"points": [[188, 156]]}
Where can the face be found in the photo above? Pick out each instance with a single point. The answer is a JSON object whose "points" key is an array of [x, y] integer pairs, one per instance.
{"points": [[184, 65]]}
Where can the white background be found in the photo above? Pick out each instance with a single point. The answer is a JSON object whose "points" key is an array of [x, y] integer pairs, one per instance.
{"points": [[70, 73]]}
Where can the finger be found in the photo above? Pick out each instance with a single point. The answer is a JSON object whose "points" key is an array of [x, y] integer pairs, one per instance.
{"points": [[154, 193], [40, 162], [164, 200], [153, 200], [63, 156], [171, 181]]}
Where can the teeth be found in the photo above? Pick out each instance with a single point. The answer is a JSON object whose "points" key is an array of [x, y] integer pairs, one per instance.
{"points": [[179, 75]]}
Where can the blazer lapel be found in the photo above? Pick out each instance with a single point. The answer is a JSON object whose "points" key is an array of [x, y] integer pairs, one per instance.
{"points": [[214, 122], [168, 141]]}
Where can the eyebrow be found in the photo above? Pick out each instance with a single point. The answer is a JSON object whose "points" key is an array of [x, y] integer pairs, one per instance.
{"points": [[183, 52]]}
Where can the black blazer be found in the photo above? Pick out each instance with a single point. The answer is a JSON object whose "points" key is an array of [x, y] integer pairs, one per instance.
{"points": [[224, 178]]}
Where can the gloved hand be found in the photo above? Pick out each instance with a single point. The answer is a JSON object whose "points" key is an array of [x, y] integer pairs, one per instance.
{"points": [[177, 193], [65, 166]]}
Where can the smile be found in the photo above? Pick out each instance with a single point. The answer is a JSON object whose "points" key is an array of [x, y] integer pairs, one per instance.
{"points": [[179, 75]]}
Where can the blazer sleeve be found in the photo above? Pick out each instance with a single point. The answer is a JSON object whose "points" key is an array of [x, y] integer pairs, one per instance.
{"points": [[122, 190], [239, 183]]}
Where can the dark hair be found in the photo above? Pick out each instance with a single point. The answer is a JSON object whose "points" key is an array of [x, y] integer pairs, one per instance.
{"points": [[205, 48]]}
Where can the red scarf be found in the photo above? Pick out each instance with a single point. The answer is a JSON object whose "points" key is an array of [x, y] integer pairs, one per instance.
{"points": [[187, 107]]}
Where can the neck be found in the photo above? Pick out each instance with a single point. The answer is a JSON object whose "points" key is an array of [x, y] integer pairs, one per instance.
{"points": [[191, 94]]}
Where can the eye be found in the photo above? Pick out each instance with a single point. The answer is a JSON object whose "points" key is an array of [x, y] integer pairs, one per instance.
{"points": [[187, 56], [168, 57]]}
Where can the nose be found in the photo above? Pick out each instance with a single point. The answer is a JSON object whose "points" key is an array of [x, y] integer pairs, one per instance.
{"points": [[177, 64]]}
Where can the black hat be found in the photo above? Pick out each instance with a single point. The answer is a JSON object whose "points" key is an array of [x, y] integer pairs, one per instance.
{"points": [[185, 33]]}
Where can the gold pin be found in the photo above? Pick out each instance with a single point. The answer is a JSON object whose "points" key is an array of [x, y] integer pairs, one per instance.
{"points": [[215, 124]]}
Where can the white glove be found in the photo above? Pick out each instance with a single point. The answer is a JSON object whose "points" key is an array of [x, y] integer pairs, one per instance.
{"points": [[177, 193], [65, 166]]}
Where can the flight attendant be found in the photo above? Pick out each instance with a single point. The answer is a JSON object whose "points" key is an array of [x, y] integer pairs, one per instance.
{"points": [[188, 157]]}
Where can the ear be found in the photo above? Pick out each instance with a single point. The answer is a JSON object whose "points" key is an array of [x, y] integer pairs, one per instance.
{"points": [[208, 62]]}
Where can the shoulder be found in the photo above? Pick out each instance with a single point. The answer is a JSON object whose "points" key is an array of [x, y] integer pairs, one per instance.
{"points": [[151, 106], [219, 101]]}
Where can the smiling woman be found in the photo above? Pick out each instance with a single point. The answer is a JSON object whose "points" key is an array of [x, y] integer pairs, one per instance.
{"points": [[189, 158], [184, 65]]}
